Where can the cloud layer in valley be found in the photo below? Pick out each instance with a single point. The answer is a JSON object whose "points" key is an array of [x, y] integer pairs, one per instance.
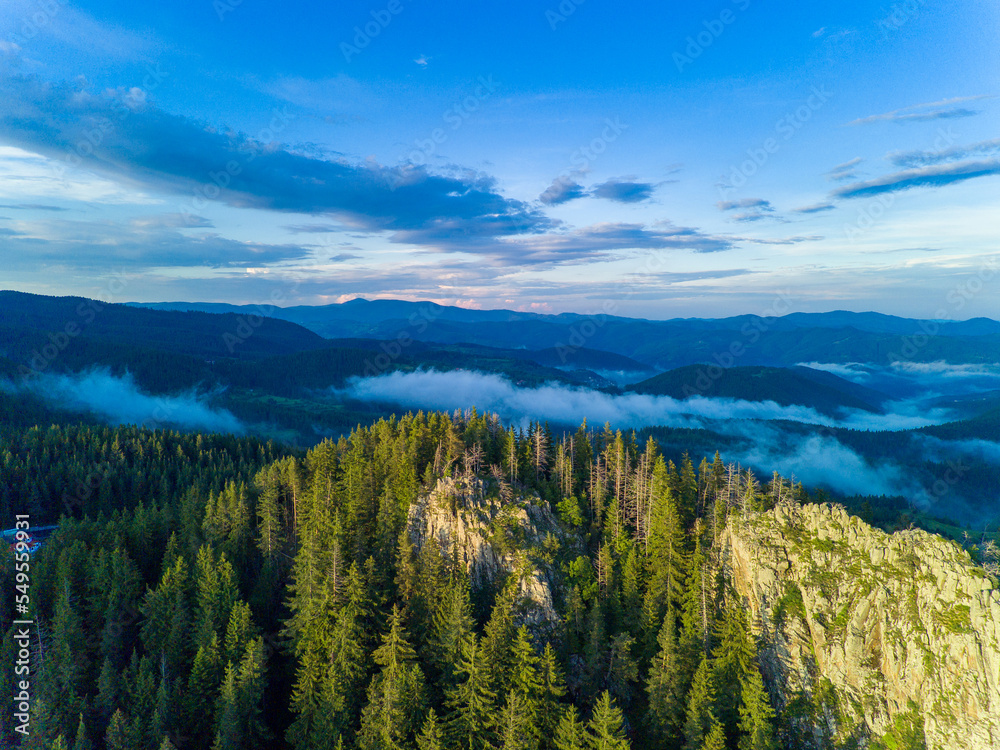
{"points": [[759, 440], [460, 389], [120, 401]]}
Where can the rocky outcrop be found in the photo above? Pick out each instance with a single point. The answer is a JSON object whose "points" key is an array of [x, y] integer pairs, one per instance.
{"points": [[491, 537], [868, 635]]}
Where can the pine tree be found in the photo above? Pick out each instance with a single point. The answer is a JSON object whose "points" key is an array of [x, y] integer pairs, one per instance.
{"points": [[396, 693], [715, 739], [203, 688], [450, 630], [631, 592], [270, 537], [526, 681], [241, 703], [517, 727], [700, 711], [552, 689], [82, 741], [239, 632], [735, 656], [571, 732], [63, 680], [119, 735], [316, 705], [108, 691], [664, 687], [431, 736], [166, 616], [498, 639], [756, 714], [163, 718], [604, 729], [699, 603], [471, 703], [667, 556]]}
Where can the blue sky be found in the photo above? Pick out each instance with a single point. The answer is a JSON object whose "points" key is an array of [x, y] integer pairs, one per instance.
{"points": [[719, 158]]}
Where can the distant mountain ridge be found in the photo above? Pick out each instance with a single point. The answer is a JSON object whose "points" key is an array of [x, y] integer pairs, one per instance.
{"points": [[833, 337], [371, 311]]}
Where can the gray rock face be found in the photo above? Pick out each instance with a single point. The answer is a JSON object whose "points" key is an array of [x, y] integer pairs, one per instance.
{"points": [[492, 538], [866, 633]]}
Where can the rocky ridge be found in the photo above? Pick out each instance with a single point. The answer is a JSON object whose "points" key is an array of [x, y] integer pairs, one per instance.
{"points": [[491, 537], [868, 637]]}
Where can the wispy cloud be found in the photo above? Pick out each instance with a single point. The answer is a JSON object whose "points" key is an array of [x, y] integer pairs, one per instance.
{"points": [[845, 171], [932, 176], [942, 110], [311, 228], [926, 158], [757, 203], [172, 221], [758, 209], [815, 208], [31, 207]]}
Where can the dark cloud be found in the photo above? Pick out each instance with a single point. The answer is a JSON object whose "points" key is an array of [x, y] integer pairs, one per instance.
{"points": [[341, 257], [624, 190], [933, 176], [910, 159], [562, 190], [145, 145]]}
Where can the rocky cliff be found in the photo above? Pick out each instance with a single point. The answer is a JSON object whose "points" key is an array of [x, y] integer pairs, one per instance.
{"points": [[492, 538], [869, 638]]}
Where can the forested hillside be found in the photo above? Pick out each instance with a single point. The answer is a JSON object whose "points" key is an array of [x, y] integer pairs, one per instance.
{"points": [[213, 593]]}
